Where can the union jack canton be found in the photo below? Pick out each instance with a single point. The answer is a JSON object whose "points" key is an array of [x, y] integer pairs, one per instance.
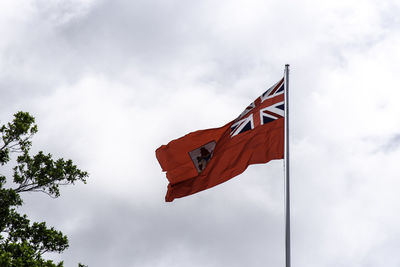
{"points": [[261, 112]]}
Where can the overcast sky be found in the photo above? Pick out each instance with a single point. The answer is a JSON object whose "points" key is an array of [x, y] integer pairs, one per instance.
{"points": [[109, 81]]}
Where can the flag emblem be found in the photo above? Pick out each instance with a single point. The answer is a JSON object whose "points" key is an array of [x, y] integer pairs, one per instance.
{"points": [[202, 155]]}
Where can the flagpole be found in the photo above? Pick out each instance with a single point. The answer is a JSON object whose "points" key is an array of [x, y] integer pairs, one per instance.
{"points": [[286, 162]]}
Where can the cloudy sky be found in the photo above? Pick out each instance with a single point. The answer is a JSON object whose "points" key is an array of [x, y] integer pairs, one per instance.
{"points": [[109, 81]]}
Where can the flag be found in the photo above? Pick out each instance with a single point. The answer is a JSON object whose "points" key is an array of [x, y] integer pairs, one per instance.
{"points": [[206, 158]]}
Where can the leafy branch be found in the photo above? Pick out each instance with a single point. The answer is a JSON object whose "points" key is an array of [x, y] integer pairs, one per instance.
{"points": [[23, 243]]}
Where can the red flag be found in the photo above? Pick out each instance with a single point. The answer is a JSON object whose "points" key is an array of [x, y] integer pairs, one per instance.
{"points": [[205, 158]]}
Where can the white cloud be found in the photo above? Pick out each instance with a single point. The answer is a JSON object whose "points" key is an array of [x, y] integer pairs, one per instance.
{"points": [[110, 81]]}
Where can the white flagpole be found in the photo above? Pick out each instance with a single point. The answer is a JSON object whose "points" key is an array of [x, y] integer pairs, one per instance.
{"points": [[286, 162]]}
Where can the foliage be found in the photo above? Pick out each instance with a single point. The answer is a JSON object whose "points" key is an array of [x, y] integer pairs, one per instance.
{"points": [[22, 243]]}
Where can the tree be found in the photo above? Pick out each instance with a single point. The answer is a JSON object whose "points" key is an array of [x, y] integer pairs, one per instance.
{"points": [[22, 243]]}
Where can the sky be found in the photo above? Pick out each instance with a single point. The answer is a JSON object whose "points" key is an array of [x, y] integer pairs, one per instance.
{"points": [[110, 81]]}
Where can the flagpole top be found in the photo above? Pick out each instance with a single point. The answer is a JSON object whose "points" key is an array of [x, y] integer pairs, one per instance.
{"points": [[287, 65]]}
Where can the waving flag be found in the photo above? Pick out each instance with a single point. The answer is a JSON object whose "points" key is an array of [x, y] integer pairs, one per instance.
{"points": [[205, 158]]}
